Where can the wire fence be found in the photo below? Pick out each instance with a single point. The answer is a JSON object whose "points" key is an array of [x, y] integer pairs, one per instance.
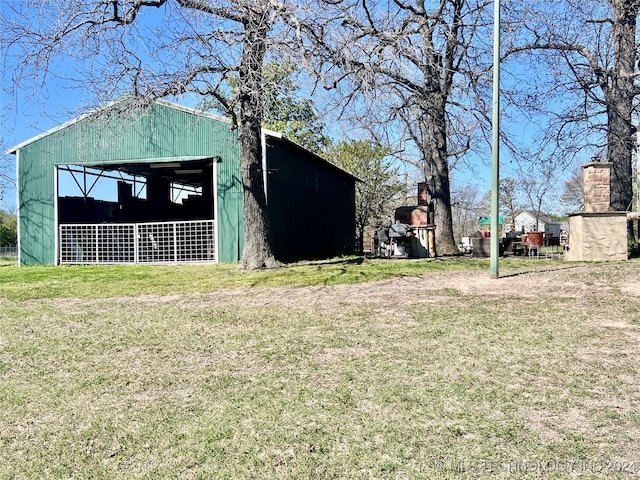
{"points": [[158, 242], [9, 252]]}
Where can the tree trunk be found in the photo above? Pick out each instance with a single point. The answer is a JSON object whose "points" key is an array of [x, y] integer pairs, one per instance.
{"points": [[360, 241], [438, 180], [257, 247], [619, 95]]}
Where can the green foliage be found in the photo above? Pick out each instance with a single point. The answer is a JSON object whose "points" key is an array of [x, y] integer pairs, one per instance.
{"points": [[283, 109], [380, 181], [8, 230], [286, 112]]}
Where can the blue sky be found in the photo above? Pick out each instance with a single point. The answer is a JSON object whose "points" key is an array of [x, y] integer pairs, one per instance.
{"points": [[38, 108], [26, 117]]}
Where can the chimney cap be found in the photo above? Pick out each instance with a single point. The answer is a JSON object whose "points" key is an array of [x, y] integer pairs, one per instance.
{"points": [[597, 165]]}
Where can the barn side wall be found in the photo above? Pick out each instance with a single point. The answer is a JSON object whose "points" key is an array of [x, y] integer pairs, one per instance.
{"points": [[310, 204]]}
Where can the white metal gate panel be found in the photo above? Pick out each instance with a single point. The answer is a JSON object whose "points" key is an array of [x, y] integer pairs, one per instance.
{"points": [[156, 242], [78, 243], [159, 242], [115, 243]]}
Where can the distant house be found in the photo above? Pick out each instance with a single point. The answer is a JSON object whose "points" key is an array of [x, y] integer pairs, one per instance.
{"points": [[528, 221], [174, 191]]}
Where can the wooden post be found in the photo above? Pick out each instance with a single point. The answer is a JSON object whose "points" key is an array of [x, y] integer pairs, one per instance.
{"points": [[431, 241]]}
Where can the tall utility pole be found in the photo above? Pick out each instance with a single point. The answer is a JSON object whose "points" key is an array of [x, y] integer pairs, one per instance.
{"points": [[495, 146]]}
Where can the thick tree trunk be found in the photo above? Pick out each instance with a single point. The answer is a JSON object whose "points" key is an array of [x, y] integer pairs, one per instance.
{"points": [[438, 180], [442, 209], [257, 247], [619, 95]]}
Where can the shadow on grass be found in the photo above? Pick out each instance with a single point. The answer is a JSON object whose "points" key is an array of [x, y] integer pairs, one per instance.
{"points": [[544, 270], [333, 261], [305, 273]]}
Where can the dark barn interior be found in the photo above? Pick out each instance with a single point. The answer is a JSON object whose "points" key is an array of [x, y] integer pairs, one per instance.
{"points": [[146, 192]]}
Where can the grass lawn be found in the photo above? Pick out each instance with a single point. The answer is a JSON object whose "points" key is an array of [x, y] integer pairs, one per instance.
{"points": [[108, 281], [342, 369]]}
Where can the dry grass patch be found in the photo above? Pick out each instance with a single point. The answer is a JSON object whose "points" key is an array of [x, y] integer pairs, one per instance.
{"points": [[444, 375]]}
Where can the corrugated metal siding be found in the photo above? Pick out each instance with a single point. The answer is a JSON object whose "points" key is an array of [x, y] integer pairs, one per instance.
{"points": [[230, 211], [35, 196], [311, 204], [158, 132]]}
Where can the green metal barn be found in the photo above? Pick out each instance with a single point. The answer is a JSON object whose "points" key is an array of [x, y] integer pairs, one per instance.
{"points": [[162, 184]]}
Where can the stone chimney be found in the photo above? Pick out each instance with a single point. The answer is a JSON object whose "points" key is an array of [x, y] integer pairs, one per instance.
{"points": [[596, 178]]}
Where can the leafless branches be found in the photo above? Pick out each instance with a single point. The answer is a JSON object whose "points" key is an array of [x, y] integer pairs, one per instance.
{"points": [[586, 54], [154, 49], [410, 73]]}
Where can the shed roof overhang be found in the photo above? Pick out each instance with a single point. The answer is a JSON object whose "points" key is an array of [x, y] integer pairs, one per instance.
{"points": [[183, 170]]}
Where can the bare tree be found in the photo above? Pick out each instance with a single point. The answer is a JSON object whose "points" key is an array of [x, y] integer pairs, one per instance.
{"points": [[5, 180], [160, 48], [467, 207], [415, 65], [7, 169], [537, 183], [581, 64], [573, 193], [510, 203]]}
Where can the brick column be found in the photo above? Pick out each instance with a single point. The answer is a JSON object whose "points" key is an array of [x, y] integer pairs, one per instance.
{"points": [[596, 179]]}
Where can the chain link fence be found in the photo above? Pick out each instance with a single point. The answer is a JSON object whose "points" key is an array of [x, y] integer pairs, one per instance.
{"points": [[9, 252]]}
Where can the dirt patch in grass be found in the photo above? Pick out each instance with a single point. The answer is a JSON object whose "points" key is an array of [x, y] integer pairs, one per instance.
{"points": [[434, 287], [576, 285], [425, 376]]}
